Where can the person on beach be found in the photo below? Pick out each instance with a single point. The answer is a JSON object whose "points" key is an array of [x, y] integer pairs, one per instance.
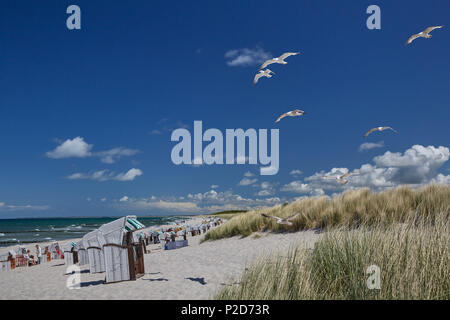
{"points": [[38, 253], [29, 258]]}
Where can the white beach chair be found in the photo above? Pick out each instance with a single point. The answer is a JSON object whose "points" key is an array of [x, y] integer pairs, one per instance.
{"points": [[5, 263], [162, 240]]}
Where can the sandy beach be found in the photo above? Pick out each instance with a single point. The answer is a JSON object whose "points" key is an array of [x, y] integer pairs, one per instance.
{"points": [[197, 271]]}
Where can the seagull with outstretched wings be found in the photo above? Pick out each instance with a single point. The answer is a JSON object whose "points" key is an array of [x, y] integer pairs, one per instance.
{"points": [[262, 73], [279, 60], [423, 34], [282, 220], [293, 113], [341, 179], [378, 129]]}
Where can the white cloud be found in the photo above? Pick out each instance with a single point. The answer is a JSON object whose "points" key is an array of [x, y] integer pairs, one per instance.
{"points": [[110, 156], [247, 182], [129, 175], [418, 164], [28, 207], [207, 202], [123, 199], [76, 147], [249, 174], [295, 172], [246, 57], [165, 205], [441, 179], [266, 189], [371, 145], [103, 199], [164, 126], [302, 188], [105, 175], [415, 167]]}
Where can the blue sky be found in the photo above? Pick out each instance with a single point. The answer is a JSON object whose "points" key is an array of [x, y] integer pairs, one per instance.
{"points": [[139, 69]]}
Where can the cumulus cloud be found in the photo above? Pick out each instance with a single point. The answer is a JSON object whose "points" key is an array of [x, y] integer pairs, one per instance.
{"points": [[371, 145], [76, 147], [105, 175], [415, 167], [123, 199], [129, 175], [302, 188], [266, 189], [207, 202], [442, 179], [295, 172], [247, 182], [165, 205], [418, 164], [246, 57]]}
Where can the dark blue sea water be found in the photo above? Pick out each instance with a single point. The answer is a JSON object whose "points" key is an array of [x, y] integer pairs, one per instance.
{"points": [[21, 231]]}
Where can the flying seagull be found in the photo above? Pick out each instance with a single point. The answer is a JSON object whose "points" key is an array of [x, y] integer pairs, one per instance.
{"points": [[378, 129], [340, 179], [263, 73], [280, 59], [423, 34], [293, 113], [282, 220]]}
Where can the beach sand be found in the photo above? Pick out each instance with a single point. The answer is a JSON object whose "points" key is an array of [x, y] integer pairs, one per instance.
{"points": [[198, 271]]}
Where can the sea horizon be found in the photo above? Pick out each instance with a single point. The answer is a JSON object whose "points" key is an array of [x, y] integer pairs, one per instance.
{"points": [[19, 231]]}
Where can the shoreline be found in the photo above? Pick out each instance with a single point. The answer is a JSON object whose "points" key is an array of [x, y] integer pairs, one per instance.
{"points": [[31, 245], [197, 271]]}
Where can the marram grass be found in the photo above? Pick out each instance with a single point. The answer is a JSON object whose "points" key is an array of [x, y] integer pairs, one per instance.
{"points": [[351, 209], [413, 259]]}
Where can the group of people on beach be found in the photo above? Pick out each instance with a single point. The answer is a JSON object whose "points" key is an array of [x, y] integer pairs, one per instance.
{"points": [[30, 258]]}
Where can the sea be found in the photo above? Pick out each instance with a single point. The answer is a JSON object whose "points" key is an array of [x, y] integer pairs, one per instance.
{"points": [[23, 231]]}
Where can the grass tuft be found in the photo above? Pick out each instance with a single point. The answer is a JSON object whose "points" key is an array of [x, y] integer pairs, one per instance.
{"points": [[412, 256]]}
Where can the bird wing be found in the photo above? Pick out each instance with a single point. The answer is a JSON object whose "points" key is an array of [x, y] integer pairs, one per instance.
{"points": [[281, 117], [389, 128], [266, 63], [346, 175], [257, 76], [369, 132], [429, 29], [293, 217], [330, 177], [288, 54], [412, 38], [272, 217]]}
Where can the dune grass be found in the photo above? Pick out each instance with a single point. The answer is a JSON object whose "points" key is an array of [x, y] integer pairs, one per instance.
{"points": [[412, 257], [350, 209]]}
